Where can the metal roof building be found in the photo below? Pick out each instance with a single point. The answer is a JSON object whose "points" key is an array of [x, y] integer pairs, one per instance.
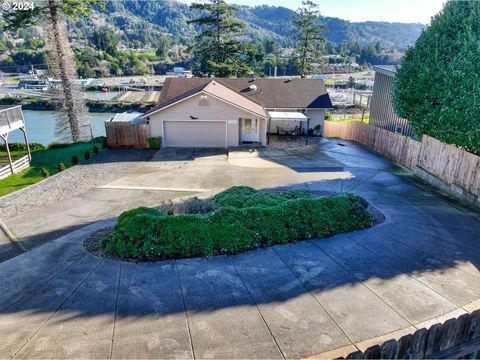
{"points": [[381, 111]]}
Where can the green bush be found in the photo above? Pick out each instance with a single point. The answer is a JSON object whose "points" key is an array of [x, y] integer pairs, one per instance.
{"points": [[61, 167], [154, 142], [245, 197], [74, 160], [45, 172], [268, 219], [436, 86], [100, 140], [58, 145], [328, 115], [86, 155], [95, 150]]}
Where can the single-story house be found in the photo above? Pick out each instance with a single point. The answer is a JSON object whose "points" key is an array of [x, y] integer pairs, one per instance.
{"points": [[224, 112]]}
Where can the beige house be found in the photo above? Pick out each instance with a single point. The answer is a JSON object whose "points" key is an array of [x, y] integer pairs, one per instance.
{"points": [[214, 112]]}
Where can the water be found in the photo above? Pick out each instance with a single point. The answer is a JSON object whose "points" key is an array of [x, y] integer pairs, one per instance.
{"points": [[41, 126]]}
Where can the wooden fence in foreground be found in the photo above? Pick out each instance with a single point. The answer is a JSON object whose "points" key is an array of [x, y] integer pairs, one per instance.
{"points": [[446, 162], [126, 135], [454, 339]]}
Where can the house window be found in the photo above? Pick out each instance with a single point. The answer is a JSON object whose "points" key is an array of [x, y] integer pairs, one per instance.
{"points": [[250, 126]]}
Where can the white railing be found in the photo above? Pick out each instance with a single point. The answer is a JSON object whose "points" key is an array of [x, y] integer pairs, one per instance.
{"points": [[18, 165], [11, 118]]}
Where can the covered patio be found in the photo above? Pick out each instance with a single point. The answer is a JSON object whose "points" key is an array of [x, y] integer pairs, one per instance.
{"points": [[291, 126], [11, 119]]}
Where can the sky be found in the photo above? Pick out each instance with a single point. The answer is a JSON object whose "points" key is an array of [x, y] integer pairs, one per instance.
{"points": [[411, 11]]}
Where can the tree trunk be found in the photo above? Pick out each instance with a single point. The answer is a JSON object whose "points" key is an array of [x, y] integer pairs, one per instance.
{"points": [[63, 62]]}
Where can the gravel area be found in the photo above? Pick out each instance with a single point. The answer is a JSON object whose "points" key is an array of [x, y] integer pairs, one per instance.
{"points": [[102, 169]]}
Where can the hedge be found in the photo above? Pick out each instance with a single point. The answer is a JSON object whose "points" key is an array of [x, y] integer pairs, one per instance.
{"points": [[258, 220], [437, 84], [18, 146]]}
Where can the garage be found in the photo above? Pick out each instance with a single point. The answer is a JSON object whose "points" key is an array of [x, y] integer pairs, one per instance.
{"points": [[194, 133]]}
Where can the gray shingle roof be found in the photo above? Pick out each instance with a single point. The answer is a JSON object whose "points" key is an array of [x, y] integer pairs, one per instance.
{"points": [[270, 93]]}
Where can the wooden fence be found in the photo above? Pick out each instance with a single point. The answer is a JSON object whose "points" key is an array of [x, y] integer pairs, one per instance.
{"points": [[126, 135], [448, 163], [17, 165], [454, 339]]}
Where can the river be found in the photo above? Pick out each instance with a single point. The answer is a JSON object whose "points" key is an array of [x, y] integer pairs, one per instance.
{"points": [[41, 126]]}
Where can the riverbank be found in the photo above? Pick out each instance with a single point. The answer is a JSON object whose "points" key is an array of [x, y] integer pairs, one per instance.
{"points": [[95, 106]]}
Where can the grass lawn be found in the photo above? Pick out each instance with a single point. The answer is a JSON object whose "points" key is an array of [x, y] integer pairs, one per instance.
{"points": [[49, 159], [11, 80]]}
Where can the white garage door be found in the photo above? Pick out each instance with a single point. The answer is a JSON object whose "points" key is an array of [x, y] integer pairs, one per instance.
{"points": [[194, 133]]}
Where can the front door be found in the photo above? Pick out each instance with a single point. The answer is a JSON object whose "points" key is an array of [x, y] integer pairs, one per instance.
{"points": [[249, 130]]}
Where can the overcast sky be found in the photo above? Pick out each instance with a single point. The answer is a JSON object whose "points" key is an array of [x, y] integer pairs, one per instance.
{"points": [[411, 11]]}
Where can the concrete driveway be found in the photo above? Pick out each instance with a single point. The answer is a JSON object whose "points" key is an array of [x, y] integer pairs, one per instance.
{"points": [[327, 296]]}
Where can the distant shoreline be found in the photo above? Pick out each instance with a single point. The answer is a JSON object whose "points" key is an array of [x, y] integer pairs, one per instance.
{"points": [[94, 106]]}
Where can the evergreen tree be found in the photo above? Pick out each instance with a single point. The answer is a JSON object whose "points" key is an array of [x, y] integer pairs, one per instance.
{"points": [[309, 36], [162, 49], [216, 51], [105, 39], [437, 84]]}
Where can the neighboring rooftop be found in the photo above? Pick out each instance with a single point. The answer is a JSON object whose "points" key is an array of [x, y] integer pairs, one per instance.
{"points": [[275, 93], [389, 70]]}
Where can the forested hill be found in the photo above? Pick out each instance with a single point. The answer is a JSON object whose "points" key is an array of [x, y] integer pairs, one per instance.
{"points": [[141, 20]]}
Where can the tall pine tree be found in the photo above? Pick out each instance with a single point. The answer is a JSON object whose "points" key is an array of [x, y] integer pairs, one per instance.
{"points": [[216, 51], [309, 36]]}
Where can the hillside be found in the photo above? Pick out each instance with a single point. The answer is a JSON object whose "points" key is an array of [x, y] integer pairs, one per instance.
{"points": [[125, 40], [141, 20]]}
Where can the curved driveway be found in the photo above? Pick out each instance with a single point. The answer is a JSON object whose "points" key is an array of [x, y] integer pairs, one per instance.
{"points": [[345, 292]]}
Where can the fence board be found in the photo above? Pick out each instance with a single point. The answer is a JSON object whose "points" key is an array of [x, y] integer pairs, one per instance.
{"points": [[125, 134], [447, 162], [456, 338], [18, 165]]}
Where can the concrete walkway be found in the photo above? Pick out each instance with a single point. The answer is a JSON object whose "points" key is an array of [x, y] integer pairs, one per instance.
{"points": [[349, 291]]}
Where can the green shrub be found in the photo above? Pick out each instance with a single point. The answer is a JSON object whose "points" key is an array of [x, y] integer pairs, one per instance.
{"points": [[58, 145], [436, 85], [287, 217], [18, 146], [45, 172], [328, 115], [95, 150], [154, 142], [74, 160], [86, 155], [245, 197], [100, 140], [61, 167]]}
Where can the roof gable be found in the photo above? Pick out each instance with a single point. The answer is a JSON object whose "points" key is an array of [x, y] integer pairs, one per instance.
{"points": [[216, 90]]}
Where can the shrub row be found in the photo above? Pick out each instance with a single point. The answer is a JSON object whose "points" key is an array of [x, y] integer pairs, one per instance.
{"points": [[17, 146], [146, 234]]}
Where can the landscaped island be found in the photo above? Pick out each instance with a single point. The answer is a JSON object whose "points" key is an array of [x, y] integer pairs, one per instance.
{"points": [[233, 221]]}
